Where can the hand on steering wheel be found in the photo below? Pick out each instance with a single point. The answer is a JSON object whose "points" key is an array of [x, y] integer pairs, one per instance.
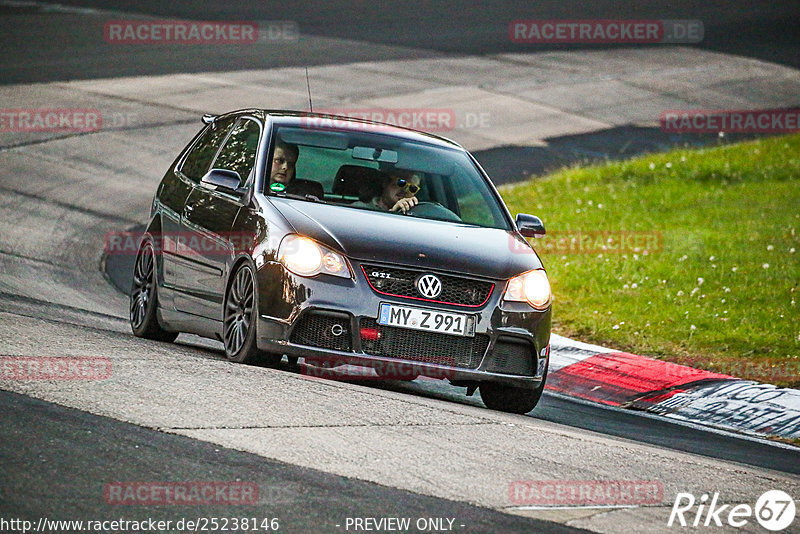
{"points": [[405, 204], [428, 209]]}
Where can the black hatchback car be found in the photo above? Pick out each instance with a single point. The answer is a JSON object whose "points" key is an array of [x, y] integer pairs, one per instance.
{"points": [[344, 241]]}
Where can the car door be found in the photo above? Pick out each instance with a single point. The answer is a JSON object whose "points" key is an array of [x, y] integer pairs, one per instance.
{"points": [[207, 224], [174, 192]]}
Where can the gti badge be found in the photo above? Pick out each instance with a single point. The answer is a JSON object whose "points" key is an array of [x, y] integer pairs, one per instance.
{"points": [[429, 286]]}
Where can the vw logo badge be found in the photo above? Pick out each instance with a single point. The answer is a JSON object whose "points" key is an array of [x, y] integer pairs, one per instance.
{"points": [[429, 286]]}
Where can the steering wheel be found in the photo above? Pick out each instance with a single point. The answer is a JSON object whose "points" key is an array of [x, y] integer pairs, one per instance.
{"points": [[433, 210]]}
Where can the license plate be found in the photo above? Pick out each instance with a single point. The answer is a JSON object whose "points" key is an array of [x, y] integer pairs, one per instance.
{"points": [[457, 324]]}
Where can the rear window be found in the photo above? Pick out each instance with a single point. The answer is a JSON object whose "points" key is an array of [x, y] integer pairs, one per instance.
{"points": [[198, 161], [239, 152]]}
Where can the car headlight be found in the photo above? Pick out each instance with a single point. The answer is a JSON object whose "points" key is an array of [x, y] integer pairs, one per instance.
{"points": [[531, 287], [304, 256]]}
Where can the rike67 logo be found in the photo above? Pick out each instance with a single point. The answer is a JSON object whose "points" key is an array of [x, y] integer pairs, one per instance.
{"points": [[774, 510]]}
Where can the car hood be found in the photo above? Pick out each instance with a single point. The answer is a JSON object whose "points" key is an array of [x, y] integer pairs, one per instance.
{"points": [[368, 236]]}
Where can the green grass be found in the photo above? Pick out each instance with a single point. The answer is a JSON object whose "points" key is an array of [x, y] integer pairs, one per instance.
{"points": [[719, 291]]}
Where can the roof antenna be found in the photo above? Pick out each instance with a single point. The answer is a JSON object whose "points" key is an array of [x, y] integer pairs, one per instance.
{"points": [[308, 85]]}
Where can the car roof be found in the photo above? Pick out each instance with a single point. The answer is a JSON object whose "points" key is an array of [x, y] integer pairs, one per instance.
{"points": [[343, 123]]}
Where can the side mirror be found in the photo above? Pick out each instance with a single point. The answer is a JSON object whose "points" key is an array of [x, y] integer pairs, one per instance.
{"points": [[223, 179], [529, 225]]}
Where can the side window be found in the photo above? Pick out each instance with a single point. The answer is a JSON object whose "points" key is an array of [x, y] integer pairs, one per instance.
{"points": [[198, 161], [239, 152]]}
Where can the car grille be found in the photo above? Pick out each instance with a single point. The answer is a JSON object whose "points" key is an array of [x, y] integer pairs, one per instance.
{"points": [[511, 357], [426, 347], [314, 329], [455, 289]]}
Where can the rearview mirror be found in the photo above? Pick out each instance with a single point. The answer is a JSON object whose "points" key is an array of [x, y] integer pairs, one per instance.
{"points": [[529, 225], [374, 154]]}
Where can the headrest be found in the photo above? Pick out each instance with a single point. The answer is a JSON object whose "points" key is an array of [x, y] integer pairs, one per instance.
{"points": [[298, 186], [358, 181]]}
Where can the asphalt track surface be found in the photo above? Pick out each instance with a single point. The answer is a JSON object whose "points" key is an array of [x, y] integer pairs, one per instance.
{"points": [[70, 48], [55, 460], [48, 41], [62, 460]]}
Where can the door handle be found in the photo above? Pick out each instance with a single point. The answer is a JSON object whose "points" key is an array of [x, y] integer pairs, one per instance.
{"points": [[188, 209]]}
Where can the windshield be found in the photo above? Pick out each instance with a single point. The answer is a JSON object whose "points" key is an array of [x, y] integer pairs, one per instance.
{"points": [[369, 171]]}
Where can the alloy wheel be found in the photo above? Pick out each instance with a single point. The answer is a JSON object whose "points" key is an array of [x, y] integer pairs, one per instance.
{"points": [[142, 290], [239, 311]]}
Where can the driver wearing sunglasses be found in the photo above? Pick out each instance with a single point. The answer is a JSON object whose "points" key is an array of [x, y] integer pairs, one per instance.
{"points": [[397, 194], [398, 191]]}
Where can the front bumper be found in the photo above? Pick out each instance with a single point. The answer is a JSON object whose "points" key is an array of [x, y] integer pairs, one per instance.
{"points": [[333, 320]]}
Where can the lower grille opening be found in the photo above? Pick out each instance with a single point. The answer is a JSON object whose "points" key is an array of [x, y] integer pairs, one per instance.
{"points": [[426, 347], [319, 329], [511, 357]]}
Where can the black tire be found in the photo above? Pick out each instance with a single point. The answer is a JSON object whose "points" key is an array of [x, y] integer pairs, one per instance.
{"points": [[240, 314], [144, 297], [510, 399]]}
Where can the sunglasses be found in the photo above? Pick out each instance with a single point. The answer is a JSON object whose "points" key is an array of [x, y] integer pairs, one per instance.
{"points": [[402, 183]]}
